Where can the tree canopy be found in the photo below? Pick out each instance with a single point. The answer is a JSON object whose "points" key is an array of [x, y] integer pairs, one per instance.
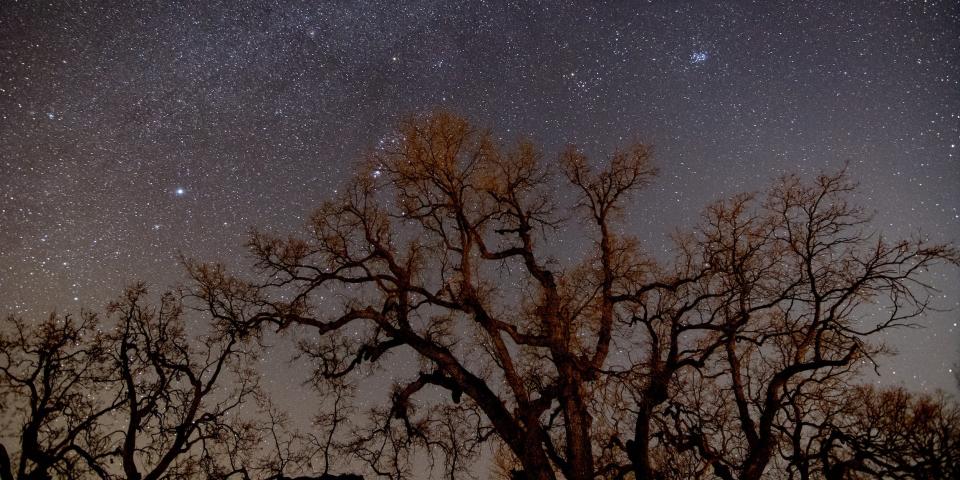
{"points": [[734, 359]]}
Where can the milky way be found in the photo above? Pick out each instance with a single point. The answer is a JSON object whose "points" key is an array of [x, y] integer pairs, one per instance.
{"points": [[132, 134]]}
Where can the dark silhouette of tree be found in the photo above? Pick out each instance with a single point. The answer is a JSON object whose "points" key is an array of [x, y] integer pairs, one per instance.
{"points": [[734, 359], [45, 369], [440, 247], [774, 308], [292, 452], [890, 433], [133, 397], [417, 240]]}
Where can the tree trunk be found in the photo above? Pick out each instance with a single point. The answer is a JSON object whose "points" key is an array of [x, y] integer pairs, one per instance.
{"points": [[757, 462], [5, 468], [579, 445], [638, 449], [536, 466]]}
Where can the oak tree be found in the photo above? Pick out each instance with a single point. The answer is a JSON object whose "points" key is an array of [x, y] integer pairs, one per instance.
{"points": [[441, 247], [131, 396], [501, 295]]}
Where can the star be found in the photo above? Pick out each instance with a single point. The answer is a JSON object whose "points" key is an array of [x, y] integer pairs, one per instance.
{"points": [[265, 114], [699, 56]]}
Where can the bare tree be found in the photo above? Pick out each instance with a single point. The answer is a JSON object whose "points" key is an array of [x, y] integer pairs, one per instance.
{"points": [[135, 397], [291, 452], [888, 433], [437, 245], [732, 360], [797, 291], [439, 248], [50, 374]]}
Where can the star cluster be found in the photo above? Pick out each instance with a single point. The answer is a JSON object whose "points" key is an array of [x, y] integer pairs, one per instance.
{"points": [[131, 134]]}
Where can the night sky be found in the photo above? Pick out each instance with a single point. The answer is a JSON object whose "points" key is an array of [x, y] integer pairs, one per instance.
{"points": [[130, 134]]}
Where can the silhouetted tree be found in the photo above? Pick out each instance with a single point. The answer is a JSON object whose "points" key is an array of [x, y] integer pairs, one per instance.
{"points": [[291, 452], [439, 247], [734, 359], [890, 433], [773, 308], [51, 374], [134, 397], [416, 240]]}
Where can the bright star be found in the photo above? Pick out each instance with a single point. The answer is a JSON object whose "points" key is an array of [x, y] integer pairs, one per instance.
{"points": [[179, 191]]}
